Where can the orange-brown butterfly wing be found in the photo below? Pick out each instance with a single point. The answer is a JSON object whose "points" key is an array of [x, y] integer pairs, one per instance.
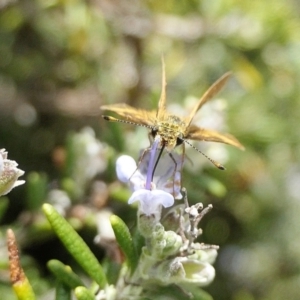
{"points": [[213, 90], [202, 134], [132, 114]]}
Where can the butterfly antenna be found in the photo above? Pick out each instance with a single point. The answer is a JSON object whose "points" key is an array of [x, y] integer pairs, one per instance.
{"points": [[112, 119], [218, 165]]}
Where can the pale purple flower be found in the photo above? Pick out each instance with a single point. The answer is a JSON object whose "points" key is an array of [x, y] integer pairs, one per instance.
{"points": [[151, 201], [164, 177], [154, 185], [127, 172]]}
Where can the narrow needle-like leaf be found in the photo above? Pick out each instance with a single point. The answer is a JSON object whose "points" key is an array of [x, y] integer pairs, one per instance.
{"points": [[125, 241], [75, 245], [62, 292], [64, 274]]}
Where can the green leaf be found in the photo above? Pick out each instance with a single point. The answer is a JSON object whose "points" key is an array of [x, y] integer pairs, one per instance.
{"points": [[62, 291], [36, 190], [82, 293], [75, 245], [3, 206], [125, 241], [64, 274]]}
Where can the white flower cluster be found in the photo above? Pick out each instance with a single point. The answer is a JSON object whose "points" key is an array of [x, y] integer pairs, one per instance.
{"points": [[9, 174]]}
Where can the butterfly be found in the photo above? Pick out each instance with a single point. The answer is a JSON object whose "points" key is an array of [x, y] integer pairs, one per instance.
{"points": [[174, 130]]}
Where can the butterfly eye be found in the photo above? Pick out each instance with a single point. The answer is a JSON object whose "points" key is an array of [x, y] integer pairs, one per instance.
{"points": [[180, 139], [154, 131]]}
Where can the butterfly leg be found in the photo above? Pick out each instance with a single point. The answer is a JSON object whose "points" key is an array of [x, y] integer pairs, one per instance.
{"points": [[176, 167], [174, 173], [140, 160]]}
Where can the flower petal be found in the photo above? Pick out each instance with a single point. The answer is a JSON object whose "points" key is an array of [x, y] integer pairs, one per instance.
{"points": [[198, 272], [137, 195], [151, 201], [125, 167], [164, 198]]}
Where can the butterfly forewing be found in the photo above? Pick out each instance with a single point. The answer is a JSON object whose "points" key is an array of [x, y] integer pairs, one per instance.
{"points": [[139, 116], [212, 91]]}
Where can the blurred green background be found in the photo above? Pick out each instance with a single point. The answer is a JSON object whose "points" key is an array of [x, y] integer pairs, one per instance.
{"points": [[60, 60]]}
